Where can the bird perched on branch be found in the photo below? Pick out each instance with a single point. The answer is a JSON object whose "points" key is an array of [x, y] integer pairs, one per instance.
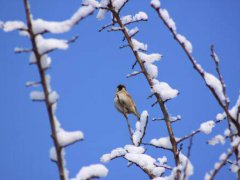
{"points": [[124, 103]]}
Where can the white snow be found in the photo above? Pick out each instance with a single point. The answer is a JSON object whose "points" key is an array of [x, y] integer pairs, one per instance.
{"points": [[222, 157], [117, 4], [37, 95], [234, 110], [53, 97], [138, 45], [53, 154], [162, 160], [32, 59], [216, 140], [207, 176], [46, 61], [214, 82], [40, 25], [156, 3], [187, 44], [206, 127], [114, 154], [164, 90], [221, 116], [56, 121], [170, 22], [216, 165], [175, 118], [149, 58], [151, 69], [92, 3], [126, 19], [66, 138], [185, 162], [88, 172], [140, 16], [163, 142], [140, 127], [48, 82], [133, 31], [134, 149], [215, 57], [146, 162], [227, 132], [45, 45], [102, 12], [236, 141], [81, 13], [13, 25], [234, 168]]}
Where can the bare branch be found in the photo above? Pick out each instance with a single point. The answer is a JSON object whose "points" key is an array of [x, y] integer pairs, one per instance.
{"points": [[135, 63], [150, 96], [188, 158], [164, 166], [189, 135], [149, 144], [106, 26], [156, 102]]}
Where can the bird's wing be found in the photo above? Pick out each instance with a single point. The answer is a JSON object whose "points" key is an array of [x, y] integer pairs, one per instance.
{"points": [[133, 104]]}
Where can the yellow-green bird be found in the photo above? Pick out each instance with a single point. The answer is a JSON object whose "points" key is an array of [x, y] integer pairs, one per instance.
{"points": [[124, 103]]}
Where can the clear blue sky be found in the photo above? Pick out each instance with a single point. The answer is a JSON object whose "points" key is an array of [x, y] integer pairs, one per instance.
{"points": [[87, 74]]}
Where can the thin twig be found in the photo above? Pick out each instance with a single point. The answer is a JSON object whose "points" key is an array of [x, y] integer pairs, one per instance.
{"points": [[159, 147], [216, 60], [188, 158], [229, 154]]}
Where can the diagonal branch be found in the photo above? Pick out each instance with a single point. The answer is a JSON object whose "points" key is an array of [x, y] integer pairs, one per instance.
{"points": [[224, 161], [198, 69]]}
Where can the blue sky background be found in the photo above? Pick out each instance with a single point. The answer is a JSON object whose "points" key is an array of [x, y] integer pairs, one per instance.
{"points": [[87, 74]]}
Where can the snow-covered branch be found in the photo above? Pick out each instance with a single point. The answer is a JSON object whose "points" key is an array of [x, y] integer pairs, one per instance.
{"points": [[223, 160], [34, 29], [213, 83]]}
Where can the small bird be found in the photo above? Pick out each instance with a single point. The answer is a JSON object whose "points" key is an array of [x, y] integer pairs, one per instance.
{"points": [[124, 103]]}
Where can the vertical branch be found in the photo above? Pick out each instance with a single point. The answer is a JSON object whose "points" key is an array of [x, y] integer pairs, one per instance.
{"points": [[41, 71], [188, 158], [150, 82]]}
